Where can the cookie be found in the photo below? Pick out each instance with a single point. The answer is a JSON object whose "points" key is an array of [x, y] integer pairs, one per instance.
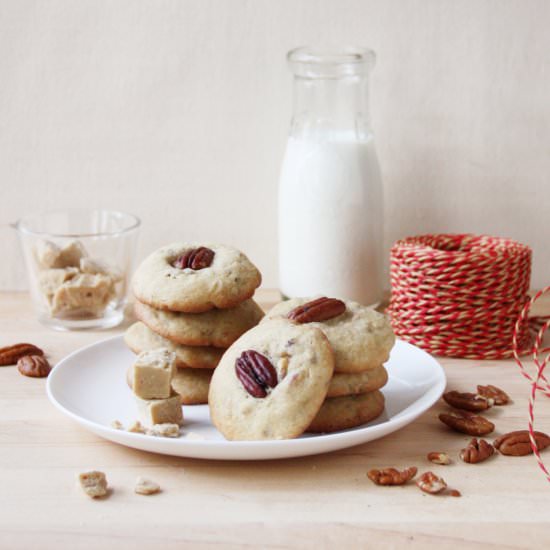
{"points": [[193, 278], [341, 413], [191, 384], [288, 367], [361, 337], [139, 337], [360, 382], [218, 327]]}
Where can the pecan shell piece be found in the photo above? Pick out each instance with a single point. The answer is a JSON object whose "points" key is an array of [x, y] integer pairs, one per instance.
{"points": [[467, 422], [391, 476], [431, 483], [468, 401], [321, 309], [35, 366], [195, 259], [437, 457], [9, 355], [256, 373], [500, 397], [519, 444], [477, 451]]}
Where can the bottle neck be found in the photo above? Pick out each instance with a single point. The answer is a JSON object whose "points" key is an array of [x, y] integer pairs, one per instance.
{"points": [[329, 108]]}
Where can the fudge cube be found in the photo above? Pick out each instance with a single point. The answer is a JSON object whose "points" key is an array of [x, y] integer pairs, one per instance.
{"points": [[71, 254], [160, 411], [83, 293], [51, 279], [152, 374], [47, 254]]}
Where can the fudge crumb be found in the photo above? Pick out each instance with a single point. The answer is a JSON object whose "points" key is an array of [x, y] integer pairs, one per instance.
{"points": [[164, 430], [137, 428], [93, 483], [117, 425], [146, 486]]}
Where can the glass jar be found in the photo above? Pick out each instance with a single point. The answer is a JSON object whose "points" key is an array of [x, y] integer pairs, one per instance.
{"points": [[330, 190], [79, 263]]}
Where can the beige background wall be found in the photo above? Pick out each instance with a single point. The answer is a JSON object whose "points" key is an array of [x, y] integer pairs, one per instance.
{"points": [[178, 110]]}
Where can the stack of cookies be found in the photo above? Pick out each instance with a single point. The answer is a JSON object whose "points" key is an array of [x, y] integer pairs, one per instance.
{"points": [[194, 300], [312, 365]]}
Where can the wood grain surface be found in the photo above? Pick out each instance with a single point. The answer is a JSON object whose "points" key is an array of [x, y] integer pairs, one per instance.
{"points": [[323, 501]]}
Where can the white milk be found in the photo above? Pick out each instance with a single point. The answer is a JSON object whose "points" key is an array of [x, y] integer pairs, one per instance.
{"points": [[330, 219]]}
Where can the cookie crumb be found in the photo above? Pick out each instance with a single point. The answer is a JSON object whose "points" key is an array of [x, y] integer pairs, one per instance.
{"points": [[93, 483], [146, 486], [137, 428], [164, 430], [117, 425]]}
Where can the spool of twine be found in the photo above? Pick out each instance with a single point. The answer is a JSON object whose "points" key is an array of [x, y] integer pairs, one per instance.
{"points": [[460, 295]]}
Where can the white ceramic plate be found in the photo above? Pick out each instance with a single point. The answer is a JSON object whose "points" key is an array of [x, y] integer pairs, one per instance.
{"points": [[90, 387]]}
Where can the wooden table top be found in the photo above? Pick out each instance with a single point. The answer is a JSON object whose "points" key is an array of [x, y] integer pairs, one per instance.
{"points": [[323, 501]]}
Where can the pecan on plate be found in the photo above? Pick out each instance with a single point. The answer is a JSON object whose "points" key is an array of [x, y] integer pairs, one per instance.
{"points": [[467, 422], [195, 259], [321, 309], [256, 373], [519, 444], [500, 397], [431, 483], [35, 366], [467, 401], [391, 476], [11, 354], [439, 458], [477, 451]]}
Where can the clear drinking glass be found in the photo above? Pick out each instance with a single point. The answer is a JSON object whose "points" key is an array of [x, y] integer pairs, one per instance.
{"points": [[79, 263], [330, 190]]}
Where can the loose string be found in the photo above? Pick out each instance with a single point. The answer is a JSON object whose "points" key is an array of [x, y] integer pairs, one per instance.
{"points": [[539, 382]]}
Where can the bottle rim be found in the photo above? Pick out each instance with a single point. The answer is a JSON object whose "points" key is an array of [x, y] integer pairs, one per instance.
{"points": [[330, 62]]}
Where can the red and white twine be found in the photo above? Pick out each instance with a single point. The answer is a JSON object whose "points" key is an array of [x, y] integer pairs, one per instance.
{"points": [[467, 296], [460, 295], [539, 381]]}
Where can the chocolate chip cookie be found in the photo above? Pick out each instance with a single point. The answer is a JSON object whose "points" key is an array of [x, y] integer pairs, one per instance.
{"points": [[361, 337], [194, 278], [271, 382]]}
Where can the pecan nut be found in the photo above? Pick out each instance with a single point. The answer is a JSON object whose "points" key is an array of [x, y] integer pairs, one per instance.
{"points": [[439, 458], [467, 422], [35, 366], [468, 401], [499, 397], [11, 354], [431, 483], [256, 373], [519, 444], [477, 451], [195, 259], [321, 309], [391, 476]]}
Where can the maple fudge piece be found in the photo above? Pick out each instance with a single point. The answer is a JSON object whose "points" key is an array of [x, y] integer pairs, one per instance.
{"points": [[94, 483], [87, 293], [47, 254], [146, 486], [164, 430], [71, 254], [160, 411], [51, 279], [98, 267], [153, 372]]}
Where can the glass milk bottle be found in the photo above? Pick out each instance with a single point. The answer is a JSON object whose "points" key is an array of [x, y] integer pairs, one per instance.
{"points": [[330, 191]]}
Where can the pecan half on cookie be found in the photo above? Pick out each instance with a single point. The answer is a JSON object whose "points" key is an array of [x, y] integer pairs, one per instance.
{"points": [[255, 372], [195, 259], [321, 309]]}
